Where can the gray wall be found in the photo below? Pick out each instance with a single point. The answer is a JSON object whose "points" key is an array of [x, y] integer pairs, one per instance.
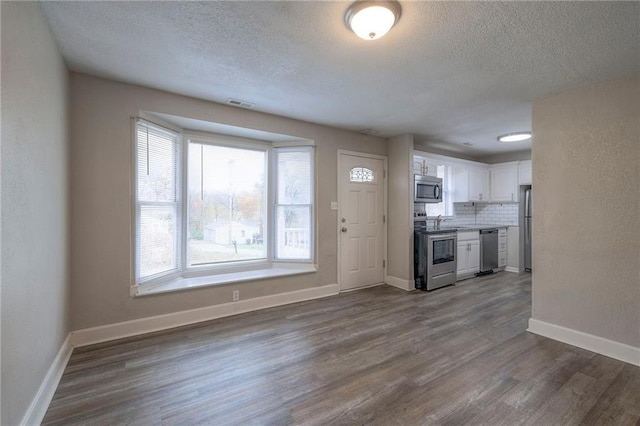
{"points": [[586, 211], [101, 199], [506, 157], [34, 205], [400, 227]]}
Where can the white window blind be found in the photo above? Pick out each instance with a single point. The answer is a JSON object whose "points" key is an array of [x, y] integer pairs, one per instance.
{"points": [[294, 195], [158, 201]]}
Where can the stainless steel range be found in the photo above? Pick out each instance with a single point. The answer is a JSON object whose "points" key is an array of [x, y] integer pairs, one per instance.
{"points": [[434, 256]]}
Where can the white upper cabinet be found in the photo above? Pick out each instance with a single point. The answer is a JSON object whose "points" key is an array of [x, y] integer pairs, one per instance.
{"points": [[422, 166], [524, 172], [504, 182], [470, 184]]}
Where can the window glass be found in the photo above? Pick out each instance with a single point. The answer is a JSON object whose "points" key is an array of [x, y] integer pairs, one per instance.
{"points": [[294, 194], [157, 246], [237, 208], [226, 196], [157, 202], [361, 174], [444, 208]]}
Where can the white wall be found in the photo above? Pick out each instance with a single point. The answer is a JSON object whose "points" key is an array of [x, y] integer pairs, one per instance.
{"points": [[101, 199], [34, 205], [586, 212]]}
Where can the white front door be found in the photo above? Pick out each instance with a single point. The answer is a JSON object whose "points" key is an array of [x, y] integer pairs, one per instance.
{"points": [[361, 220]]}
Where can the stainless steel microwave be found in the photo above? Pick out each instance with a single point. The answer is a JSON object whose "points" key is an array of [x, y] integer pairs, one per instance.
{"points": [[427, 189]]}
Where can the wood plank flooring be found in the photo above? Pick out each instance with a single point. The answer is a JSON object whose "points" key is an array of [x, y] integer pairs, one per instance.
{"points": [[379, 356]]}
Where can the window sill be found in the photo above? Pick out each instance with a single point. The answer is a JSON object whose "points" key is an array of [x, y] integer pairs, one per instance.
{"points": [[178, 284]]}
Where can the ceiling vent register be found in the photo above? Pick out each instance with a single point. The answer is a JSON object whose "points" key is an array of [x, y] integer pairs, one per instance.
{"points": [[239, 103]]}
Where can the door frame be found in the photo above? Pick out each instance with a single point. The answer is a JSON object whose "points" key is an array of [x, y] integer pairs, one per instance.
{"points": [[385, 161]]}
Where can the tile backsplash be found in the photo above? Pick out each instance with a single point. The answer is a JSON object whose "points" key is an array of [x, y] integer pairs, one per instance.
{"points": [[492, 214]]}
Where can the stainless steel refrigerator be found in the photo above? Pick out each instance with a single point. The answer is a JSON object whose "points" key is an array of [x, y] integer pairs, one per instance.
{"points": [[527, 229]]}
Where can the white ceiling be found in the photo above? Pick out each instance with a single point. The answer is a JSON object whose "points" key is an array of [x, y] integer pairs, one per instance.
{"points": [[448, 72]]}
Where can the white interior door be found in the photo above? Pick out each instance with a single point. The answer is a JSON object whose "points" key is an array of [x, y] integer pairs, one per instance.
{"points": [[361, 221]]}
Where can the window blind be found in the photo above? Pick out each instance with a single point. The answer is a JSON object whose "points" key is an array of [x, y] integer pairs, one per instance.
{"points": [[294, 203], [158, 201]]}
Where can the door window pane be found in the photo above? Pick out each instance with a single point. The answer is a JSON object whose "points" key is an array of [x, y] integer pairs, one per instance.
{"points": [[361, 174]]}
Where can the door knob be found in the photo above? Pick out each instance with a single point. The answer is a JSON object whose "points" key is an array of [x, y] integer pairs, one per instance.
{"points": [[344, 229]]}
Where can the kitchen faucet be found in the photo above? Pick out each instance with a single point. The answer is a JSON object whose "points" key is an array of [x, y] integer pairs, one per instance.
{"points": [[438, 220]]}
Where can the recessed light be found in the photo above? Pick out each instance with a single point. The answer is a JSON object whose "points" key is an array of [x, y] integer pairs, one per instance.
{"points": [[515, 137]]}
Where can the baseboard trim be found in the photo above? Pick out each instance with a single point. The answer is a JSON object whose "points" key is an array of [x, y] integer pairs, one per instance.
{"points": [[600, 345], [399, 283], [512, 269], [90, 336], [40, 403]]}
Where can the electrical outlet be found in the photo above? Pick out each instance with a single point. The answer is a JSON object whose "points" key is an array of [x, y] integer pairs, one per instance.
{"points": [[236, 295]]}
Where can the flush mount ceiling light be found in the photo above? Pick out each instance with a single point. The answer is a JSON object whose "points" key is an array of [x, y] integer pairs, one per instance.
{"points": [[371, 19], [515, 137]]}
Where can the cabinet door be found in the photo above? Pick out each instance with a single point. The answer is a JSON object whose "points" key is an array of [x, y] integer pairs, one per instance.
{"points": [[524, 172], [462, 255], [504, 183], [478, 185], [502, 259], [474, 256]]}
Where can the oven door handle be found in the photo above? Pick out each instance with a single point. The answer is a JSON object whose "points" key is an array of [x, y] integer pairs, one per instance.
{"points": [[441, 237]]}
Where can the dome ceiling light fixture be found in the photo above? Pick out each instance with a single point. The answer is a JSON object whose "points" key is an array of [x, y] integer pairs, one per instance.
{"points": [[372, 19], [514, 137]]}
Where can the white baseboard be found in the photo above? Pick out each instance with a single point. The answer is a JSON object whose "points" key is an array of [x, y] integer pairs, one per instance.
{"points": [[90, 336], [512, 269], [40, 403], [600, 345], [400, 283]]}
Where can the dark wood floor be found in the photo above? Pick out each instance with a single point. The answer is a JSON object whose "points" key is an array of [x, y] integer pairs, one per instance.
{"points": [[459, 355]]}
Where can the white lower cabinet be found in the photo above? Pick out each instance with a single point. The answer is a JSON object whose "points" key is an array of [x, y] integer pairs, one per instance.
{"points": [[502, 248], [474, 256], [468, 254]]}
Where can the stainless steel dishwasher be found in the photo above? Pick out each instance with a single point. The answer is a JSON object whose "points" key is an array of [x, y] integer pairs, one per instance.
{"points": [[488, 250]]}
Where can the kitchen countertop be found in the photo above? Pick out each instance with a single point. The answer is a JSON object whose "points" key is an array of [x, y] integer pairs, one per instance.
{"points": [[463, 228]]}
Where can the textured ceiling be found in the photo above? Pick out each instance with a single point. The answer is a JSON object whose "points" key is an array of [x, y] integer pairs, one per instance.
{"points": [[448, 72]]}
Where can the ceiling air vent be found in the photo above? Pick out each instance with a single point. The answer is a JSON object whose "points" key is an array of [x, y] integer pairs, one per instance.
{"points": [[369, 132], [239, 103]]}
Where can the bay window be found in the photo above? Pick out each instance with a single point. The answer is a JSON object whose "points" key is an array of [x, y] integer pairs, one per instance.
{"points": [[211, 204]]}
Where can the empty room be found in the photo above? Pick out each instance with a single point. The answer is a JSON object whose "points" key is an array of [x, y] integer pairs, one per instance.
{"points": [[320, 212]]}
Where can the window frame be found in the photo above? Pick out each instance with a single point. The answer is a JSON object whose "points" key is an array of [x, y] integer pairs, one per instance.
{"points": [[234, 265], [184, 270], [136, 208], [447, 181], [311, 205]]}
